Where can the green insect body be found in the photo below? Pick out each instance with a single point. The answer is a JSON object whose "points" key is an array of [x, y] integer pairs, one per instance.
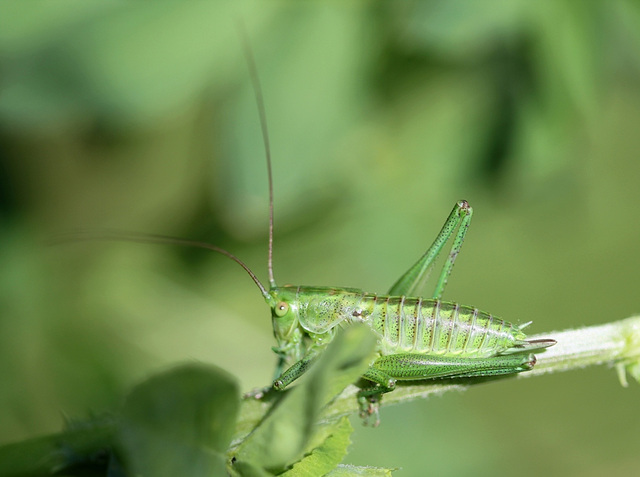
{"points": [[403, 325], [306, 319]]}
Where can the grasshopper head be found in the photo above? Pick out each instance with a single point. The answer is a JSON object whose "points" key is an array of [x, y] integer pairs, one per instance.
{"points": [[284, 312]]}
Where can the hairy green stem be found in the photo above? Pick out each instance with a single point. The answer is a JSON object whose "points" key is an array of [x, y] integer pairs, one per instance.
{"points": [[616, 344]]}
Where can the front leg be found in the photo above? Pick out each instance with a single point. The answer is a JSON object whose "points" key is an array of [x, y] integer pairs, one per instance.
{"points": [[283, 379], [296, 370]]}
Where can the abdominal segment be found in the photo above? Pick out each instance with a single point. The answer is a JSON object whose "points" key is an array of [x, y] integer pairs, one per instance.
{"points": [[436, 327]]}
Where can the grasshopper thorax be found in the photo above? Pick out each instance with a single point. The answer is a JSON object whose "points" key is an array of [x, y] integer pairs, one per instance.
{"points": [[314, 310]]}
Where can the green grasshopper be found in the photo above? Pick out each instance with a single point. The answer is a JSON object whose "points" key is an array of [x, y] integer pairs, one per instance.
{"points": [[419, 338]]}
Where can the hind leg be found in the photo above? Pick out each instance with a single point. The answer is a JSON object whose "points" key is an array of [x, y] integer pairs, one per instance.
{"points": [[386, 370]]}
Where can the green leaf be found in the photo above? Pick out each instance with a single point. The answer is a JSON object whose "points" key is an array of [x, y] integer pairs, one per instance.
{"points": [[344, 362], [179, 423], [281, 438], [326, 456]]}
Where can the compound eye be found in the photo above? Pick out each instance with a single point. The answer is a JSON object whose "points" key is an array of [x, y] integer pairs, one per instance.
{"points": [[282, 308]]}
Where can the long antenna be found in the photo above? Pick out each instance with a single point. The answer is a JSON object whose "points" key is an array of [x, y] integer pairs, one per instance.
{"points": [[255, 81], [120, 236]]}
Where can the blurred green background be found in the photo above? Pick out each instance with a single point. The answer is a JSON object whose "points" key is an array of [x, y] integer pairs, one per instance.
{"points": [[142, 117]]}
